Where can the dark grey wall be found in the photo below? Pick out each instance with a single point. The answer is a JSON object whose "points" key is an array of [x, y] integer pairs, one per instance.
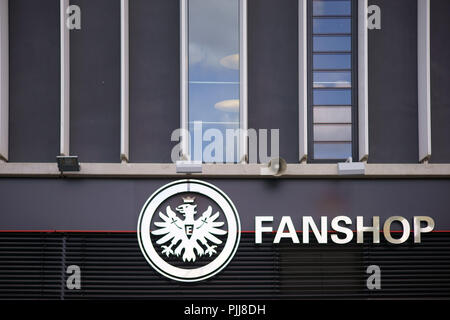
{"points": [[393, 119], [154, 78], [95, 82], [34, 74], [440, 81], [273, 71], [114, 204]]}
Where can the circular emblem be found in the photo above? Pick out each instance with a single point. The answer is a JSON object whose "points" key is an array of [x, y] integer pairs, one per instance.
{"points": [[188, 230]]}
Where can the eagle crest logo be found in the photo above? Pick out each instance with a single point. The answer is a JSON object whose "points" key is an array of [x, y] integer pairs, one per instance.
{"points": [[189, 238]]}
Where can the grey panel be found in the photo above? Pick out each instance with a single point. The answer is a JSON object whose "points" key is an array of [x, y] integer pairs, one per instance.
{"points": [[115, 204], [154, 78], [34, 74], [273, 71], [95, 82], [393, 119], [440, 79]]}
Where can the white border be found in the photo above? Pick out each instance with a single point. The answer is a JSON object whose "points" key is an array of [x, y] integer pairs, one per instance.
{"points": [[65, 81], [4, 80], [424, 78], [303, 80], [124, 81], [243, 85], [363, 81], [184, 80], [176, 273]]}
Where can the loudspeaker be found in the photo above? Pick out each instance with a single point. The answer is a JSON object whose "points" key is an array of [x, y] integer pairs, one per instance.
{"points": [[276, 167]]}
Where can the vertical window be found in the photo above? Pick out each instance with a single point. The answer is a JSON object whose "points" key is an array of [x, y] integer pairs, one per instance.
{"points": [[213, 87], [331, 80]]}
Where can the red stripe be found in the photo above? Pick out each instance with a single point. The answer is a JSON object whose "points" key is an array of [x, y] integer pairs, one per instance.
{"points": [[132, 231], [67, 231]]}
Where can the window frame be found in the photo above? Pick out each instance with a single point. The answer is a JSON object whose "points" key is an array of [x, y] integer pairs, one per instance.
{"points": [[354, 86], [184, 83]]}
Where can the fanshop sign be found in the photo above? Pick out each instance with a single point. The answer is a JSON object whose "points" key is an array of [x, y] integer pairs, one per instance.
{"points": [[189, 230]]}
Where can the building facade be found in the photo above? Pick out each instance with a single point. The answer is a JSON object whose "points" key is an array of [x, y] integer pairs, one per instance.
{"points": [[111, 81]]}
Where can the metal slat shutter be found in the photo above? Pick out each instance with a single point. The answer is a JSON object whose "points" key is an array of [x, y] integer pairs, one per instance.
{"points": [[32, 265]]}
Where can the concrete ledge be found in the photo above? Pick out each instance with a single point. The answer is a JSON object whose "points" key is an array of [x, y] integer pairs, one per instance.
{"points": [[156, 170]]}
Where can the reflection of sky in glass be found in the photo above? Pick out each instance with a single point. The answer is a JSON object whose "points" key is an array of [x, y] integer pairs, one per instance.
{"points": [[204, 97], [332, 114], [328, 43], [213, 66], [200, 150], [332, 150], [332, 61], [332, 132], [337, 8], [332, 97], [328, 25], [332, 79]]}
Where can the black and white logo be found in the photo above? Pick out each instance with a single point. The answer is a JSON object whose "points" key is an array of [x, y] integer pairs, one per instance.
{"points": [[189, 230]]}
